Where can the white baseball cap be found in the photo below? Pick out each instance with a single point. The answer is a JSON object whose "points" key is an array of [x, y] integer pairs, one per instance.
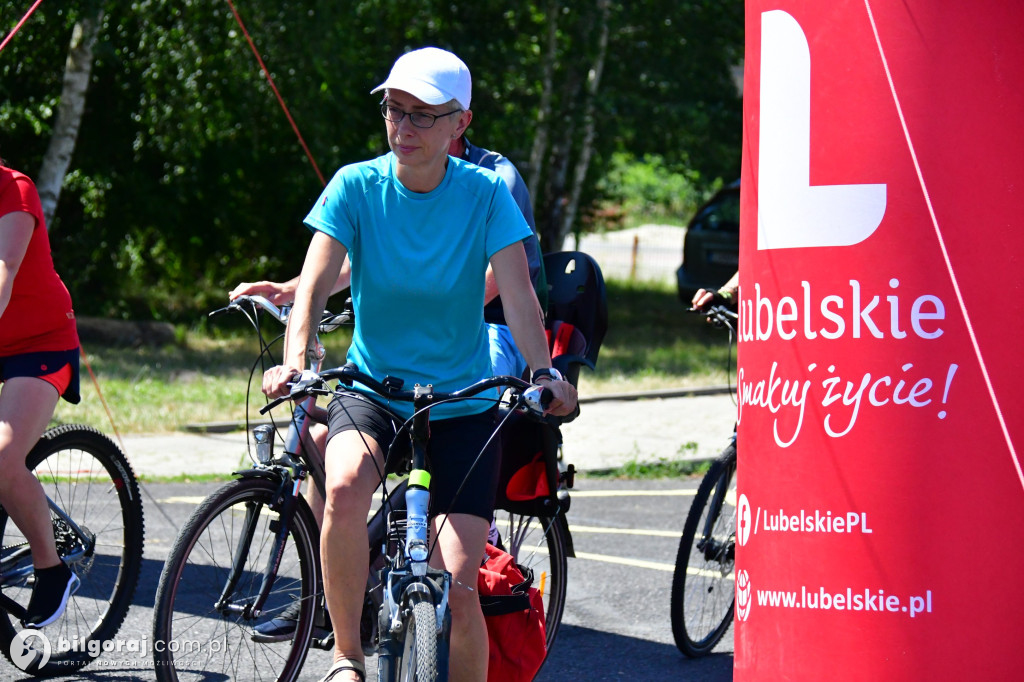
{"points": [[432, 75]]}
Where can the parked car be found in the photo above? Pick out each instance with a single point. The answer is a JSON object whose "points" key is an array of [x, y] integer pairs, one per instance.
{"points": [[711, 245]]}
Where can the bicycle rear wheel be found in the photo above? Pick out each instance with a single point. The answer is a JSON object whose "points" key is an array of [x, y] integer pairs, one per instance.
{"points": [[88, 478], [201, 627], [704, 582], [540, 543]]}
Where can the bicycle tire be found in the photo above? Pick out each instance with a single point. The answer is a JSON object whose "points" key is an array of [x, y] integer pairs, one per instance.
{"points": [[703, 584], [88, 476], [540, 543], [196, 573], [420, 650]]}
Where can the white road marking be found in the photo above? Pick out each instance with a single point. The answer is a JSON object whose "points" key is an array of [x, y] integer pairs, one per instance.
{"points": [[637, 563], [627, 531]]}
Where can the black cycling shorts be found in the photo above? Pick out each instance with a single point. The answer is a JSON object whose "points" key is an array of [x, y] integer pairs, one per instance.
{"points": [[454, 445], [59, 368]]}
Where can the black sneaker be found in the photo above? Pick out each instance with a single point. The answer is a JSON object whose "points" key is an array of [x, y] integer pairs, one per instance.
{"points": [[50, 593], [281, 628]]}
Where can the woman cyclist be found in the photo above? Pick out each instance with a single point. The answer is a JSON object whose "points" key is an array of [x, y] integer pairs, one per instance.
{"points": [[420, 228], [38, 365]]}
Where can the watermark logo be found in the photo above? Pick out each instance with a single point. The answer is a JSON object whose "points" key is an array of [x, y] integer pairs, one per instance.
{"points": [[743, 521], [27, 652], [743, 600]]}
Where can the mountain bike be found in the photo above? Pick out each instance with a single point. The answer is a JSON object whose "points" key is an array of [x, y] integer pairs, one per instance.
{"points": [[703, 583], [97, 521], [236, 563]]}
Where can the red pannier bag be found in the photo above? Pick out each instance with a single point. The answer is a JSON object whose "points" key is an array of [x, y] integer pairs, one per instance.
{"points": [[514, 611]]}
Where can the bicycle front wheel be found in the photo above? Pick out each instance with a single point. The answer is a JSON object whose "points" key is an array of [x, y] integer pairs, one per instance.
{"points": [[203, 621], [420, 650], [540, 543], [87, 479], [704, 582]]}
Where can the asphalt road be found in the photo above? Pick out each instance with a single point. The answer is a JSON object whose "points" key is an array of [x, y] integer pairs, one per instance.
{"points": [[616, 624]]}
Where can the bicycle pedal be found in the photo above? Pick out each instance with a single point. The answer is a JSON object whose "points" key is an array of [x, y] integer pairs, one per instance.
{"points": [[324, 643]]}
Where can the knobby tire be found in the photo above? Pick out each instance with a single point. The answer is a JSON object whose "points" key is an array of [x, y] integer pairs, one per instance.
{"points": [[420, 650]]}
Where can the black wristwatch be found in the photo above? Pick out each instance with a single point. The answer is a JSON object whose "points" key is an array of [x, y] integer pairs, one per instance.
{"points": [[549, 372]]}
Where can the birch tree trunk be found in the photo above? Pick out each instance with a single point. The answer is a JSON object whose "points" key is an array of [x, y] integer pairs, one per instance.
{"points": [[77, 70], [540, 138], [587, 145]]}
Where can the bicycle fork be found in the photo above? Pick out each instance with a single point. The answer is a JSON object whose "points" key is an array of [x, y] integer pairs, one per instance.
{"points": [[713, 549], [283, 502]]}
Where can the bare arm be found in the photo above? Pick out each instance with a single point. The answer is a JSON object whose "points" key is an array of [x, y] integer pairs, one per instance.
{"points": [[280, 293], [491, 292], [15, 233], [490, 285], [323, 260], [521, 312]]}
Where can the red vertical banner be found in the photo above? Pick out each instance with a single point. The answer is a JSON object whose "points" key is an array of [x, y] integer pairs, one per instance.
{"points": [[881, 433]]}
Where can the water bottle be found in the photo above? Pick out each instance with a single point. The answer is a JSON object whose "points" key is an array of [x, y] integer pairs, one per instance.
{"points": [[416, 500]]}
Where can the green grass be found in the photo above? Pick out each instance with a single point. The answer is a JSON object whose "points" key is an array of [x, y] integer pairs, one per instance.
{"points": [[151, 390], [663, 468], [652, 343]]}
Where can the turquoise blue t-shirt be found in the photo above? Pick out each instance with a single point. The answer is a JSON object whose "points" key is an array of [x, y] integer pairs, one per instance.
{"points": [[418, 264]]}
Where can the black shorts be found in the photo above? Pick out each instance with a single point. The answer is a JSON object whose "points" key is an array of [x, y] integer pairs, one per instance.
{"points": [[454, 445], [59, 368]]}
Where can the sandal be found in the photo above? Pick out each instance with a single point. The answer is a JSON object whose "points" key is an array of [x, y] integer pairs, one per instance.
{"points": [[343, 664]]}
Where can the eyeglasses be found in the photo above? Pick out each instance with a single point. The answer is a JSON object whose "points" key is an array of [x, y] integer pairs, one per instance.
{"points": [[419, 119]]}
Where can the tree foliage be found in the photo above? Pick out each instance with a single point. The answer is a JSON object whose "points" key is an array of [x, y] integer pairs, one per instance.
{"points": [[187, 176]]}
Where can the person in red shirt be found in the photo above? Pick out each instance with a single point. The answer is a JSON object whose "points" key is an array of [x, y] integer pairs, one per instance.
{"points": [[38, 365]]}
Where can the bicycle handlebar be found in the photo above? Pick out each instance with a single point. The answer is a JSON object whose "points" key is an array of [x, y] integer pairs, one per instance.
{"points": [[279, 314], [328, 323], [718, 314], [535, 399]]}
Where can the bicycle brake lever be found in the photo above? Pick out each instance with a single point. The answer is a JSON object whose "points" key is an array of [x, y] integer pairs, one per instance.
{"points": [[303, 385], [304, 381], [221, 311], [536, 399]]}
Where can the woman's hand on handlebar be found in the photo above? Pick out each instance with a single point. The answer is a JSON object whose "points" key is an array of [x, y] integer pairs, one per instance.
{"points": [[563, 400], [277, 380], [702, 299], [726, 295], [278, 293]]}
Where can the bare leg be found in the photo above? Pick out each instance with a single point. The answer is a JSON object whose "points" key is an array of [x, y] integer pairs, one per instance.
{"points": [[461, 549], [26, 405], [344, 554], [317, 444]]}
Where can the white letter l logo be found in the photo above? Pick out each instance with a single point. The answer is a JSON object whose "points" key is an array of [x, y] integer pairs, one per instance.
{"points": [[791, 213]]}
